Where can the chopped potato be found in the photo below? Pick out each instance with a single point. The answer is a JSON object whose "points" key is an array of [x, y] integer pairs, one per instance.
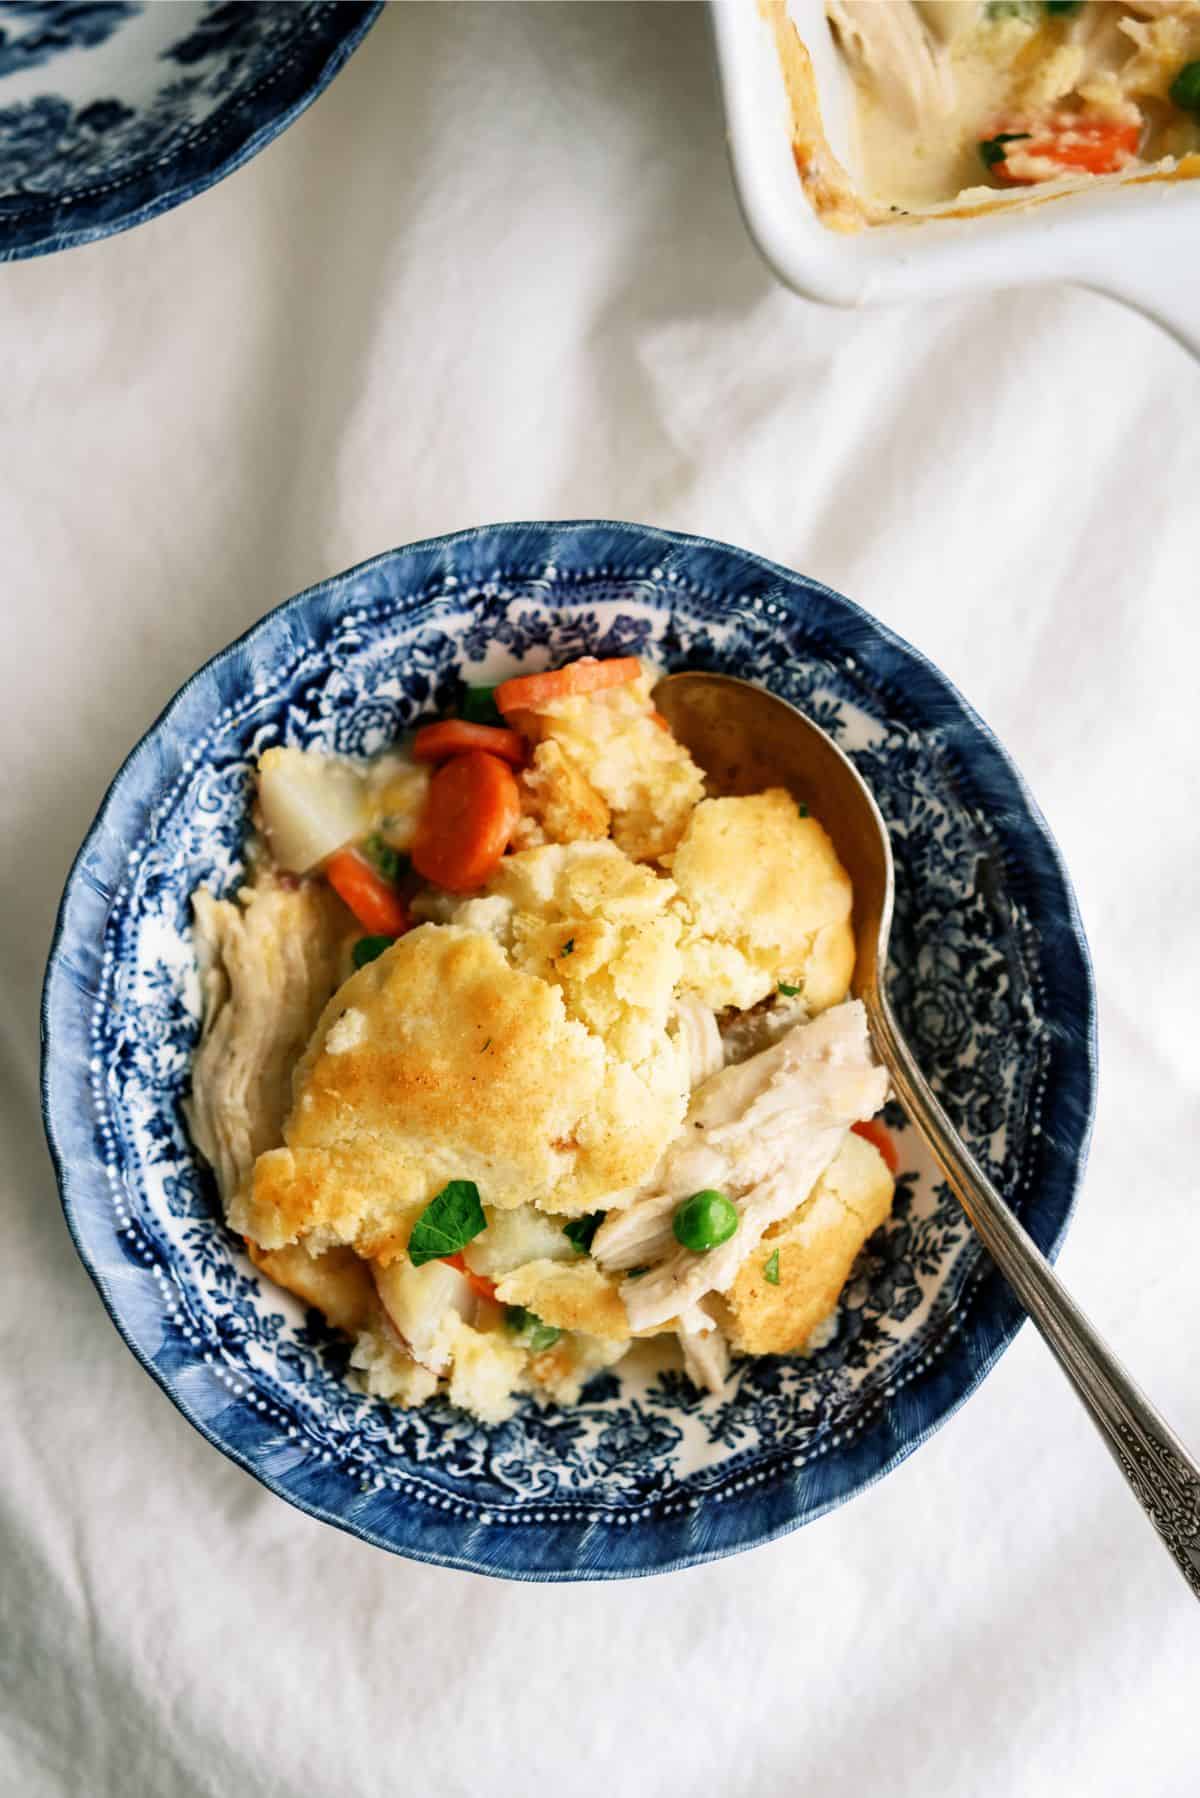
{"points": [[514, 1237], [312, 805], [269, 961]]}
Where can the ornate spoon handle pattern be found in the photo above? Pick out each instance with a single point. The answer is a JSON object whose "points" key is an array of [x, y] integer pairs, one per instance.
{"points": [[1163, 1476]]}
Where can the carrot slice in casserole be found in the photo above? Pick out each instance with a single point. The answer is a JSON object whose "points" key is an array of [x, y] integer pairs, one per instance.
{"points": [[1066, 143], [471, 811], [529, 692], [876, 1132], [480, 1285], [373, 900], [458, 736]]}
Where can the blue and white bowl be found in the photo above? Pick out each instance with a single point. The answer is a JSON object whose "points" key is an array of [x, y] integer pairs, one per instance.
{"points": [[989, 972], [111, 111]]}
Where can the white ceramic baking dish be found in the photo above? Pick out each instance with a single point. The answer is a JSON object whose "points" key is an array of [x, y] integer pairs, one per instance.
{"points": [[1136, 238]]}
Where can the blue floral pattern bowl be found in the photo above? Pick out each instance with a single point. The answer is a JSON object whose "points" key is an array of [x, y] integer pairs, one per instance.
{"points": [[990, 975], [111, 111]]}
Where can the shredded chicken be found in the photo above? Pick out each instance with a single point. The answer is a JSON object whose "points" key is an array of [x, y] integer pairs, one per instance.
{"points": [[892, 46], [694, 1025], [762, 1133], [705, 1351], [747, 1033], [1101, 36], [269, 962], [949, 19]]}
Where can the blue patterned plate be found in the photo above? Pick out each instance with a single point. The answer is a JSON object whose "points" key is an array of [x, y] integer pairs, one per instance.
{"points": [[111, 111], [990, 974]]}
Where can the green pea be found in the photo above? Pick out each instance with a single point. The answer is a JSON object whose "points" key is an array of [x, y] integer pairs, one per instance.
{"points": [[705, 1221], [369, 948], [1185, 89]]}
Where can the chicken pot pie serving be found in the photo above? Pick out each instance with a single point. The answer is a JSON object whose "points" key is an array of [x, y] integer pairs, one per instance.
{"points": [[956, 97], [518, 1048]]}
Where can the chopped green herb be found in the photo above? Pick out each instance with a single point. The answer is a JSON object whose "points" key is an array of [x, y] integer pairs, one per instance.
{"points": [[568, 947], [1185, 89], [534, 1334], [789, 992], [705, 1221], [637, 1273], [1011, 9], [479, 706], [581, 1230], [1062, 6], [992, 150], [486, 1046], [803, 810], [447, 1224], [389, 861], [369, 948], [771, 1268]]}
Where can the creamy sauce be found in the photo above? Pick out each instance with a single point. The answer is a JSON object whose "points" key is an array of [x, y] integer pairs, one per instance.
{"points": [[934, 80], [939, 157]]}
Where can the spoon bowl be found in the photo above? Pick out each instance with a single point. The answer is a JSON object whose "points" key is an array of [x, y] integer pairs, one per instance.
{"points": [[745, 738]]}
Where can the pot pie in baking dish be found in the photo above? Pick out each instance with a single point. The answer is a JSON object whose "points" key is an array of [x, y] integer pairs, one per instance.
{"points": [[518, 1048], [955, 98]]}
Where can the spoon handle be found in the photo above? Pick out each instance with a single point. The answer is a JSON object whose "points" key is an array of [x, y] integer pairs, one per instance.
{"points": [[1163, 1476]]}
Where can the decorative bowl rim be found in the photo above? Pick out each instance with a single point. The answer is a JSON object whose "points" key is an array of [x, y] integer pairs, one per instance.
{"points": [[38, 228], [957, 1372]]}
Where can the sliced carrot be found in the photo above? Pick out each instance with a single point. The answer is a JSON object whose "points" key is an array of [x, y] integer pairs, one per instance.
{"points": [[479, 1283], [471, 810], [456, 736], [657, 718], [1066, 143], [373, 900], [874, 1131], [528, 692]]}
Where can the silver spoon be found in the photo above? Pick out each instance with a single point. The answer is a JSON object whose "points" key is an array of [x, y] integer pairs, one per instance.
{"points": [[745, 739]]}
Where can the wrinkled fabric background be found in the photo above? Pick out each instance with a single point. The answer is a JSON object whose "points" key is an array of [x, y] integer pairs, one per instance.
{"points": [[498, 271]]}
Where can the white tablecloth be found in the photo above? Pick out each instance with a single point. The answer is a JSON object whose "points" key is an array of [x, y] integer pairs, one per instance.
{"points": [[498, 271]]}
